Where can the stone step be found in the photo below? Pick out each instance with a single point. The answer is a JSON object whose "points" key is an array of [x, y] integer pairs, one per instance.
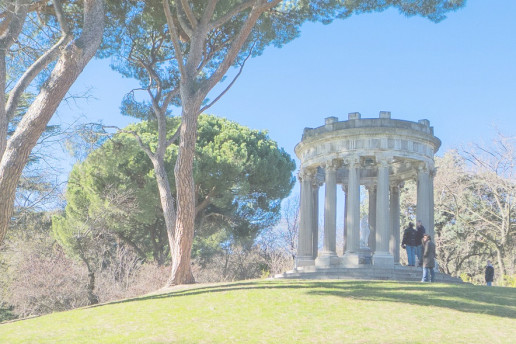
{"points": [[398, 273]]}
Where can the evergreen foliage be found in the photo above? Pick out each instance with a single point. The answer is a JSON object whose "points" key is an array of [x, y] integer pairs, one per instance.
{"points": [[241, 176]]}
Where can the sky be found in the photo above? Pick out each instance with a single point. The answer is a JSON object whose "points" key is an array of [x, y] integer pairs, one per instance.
{"points": [[460, 74]]}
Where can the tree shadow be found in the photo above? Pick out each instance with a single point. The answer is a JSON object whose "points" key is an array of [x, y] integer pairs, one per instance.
{"points": [[464, 298], [494, 301]]}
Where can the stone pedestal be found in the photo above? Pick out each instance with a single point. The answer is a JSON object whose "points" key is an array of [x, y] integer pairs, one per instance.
{"points": [[327, 260], [304, 261], [365, 256], [350, 260], [384, 260]]}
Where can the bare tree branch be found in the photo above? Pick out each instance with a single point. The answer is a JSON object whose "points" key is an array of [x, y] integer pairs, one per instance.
{"points": [[170, 95], [15, 20], [186, 29], [143, 146], [174, 137], [208, 13], [58, 7], [31, 73], [174, 36], [257, 10], [230, 84], [189, 14]]}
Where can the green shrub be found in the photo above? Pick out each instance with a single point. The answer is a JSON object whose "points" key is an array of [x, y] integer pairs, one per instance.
{"points": [[509, 281], [465, 277]]}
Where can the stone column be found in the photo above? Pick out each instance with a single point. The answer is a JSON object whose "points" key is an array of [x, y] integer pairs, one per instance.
{"points": [[350, 258], [423, 196], [304, 247], [328, 255], [394, 247], [345, 236], [315, 218], [382, 256], [431, 222], [372, 217]]}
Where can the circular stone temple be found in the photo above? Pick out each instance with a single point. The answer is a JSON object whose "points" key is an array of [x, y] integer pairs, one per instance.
{"points": [[379, 153]]}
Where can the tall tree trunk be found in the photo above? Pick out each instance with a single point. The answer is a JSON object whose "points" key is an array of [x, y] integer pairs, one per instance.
{"points": [[16, 14], [92, 297], [4, 121], [90, 287], [166, 199], [71, 63], [193, 92], [181, 246]]}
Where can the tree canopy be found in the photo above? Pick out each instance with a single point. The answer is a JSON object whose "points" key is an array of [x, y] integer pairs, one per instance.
{"points": [[241, 177], [148, 45]]}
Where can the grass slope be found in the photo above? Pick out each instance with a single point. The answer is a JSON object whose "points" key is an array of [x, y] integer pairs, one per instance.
{"points": [[287, 311]]}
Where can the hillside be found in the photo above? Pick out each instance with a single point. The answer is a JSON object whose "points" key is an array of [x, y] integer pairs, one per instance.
{"points": [[287, 311]]}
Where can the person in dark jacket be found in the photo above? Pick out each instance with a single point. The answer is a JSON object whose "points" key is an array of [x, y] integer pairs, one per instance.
{"points": [[489, 273], [428, 259], [409, 243], [420, 231]]}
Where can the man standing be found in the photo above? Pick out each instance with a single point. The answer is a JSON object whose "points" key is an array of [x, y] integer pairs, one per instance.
{"points": [[409, 243], [489, 273], [420, 231], [428, 259]]}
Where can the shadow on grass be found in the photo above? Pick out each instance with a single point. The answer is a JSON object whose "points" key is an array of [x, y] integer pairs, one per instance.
{"points": [[464, 298]]}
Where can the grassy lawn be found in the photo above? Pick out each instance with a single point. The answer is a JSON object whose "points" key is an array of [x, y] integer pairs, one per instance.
{"points": [[286, 311]]}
